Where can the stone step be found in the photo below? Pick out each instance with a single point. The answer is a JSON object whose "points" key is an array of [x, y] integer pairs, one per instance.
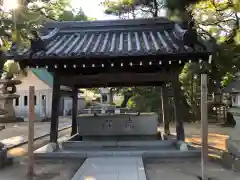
{"points": [[119, 148], [112, 168], [150, 153], [100, 144]]}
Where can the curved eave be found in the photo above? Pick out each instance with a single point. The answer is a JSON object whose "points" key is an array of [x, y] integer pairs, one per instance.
{"points": [[106, 59]]}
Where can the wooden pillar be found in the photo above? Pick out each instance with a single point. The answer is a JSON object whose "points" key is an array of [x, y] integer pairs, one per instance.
{"points": [[178, 108], [74, 111], [204, 125], [165, 117], [55, 108], [31, 117]]}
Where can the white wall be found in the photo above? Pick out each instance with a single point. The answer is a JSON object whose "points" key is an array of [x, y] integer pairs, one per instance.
{"points": [[21, 109], [41, 88], [68, 104], [236, 100], [31, 80]]}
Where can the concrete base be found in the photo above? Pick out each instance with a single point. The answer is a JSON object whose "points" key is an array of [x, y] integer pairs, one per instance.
{"points": [[71, 145], [4, 160], [233, 147], [2, 127], [145, 154], [86, 149], [230, 161], [6, 106], [10, 119], [50, 147]]}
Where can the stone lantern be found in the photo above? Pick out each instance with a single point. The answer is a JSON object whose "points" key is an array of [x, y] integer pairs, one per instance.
{"points": [[7, 95], [217, 98], [233, 143], [105, 95]]}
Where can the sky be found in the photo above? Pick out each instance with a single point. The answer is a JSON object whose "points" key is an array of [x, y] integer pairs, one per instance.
{"points": [[91, 8]]}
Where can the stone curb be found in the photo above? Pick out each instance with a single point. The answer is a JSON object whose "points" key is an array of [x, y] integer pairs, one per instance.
{"points": [[25, 142], [230, 161], [4, 160]]}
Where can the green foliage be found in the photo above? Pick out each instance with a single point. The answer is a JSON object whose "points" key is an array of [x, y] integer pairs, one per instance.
{"points": [[71, 16], [11, 66], [214, 19], [147, 99], [121, 8], [16, 25], [227, 79], [133, 8]]}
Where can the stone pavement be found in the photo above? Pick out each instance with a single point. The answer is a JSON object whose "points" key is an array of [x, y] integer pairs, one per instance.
{"points": [[111, 168], [16, 133]]}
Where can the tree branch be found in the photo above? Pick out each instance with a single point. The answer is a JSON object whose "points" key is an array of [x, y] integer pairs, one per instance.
{"points": [[235, 30], [43, 13], [229, 4]]}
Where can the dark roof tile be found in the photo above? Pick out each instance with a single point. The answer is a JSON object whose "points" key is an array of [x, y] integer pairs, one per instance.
{"points": [[113, 38]]}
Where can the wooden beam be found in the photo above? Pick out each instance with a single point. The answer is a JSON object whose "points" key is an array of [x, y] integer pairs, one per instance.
{"points": [[66, 93], [74, 111], [55, 109], [115, 79]]}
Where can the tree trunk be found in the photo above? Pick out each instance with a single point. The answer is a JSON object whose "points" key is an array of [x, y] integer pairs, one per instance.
{"points": [[165, 109], [126, 97], [178, 107], [111, 96]]}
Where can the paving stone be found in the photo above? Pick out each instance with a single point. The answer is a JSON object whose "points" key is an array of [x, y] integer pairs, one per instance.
{"points": [[102, 176], [186, 170], [111, 168], [128, 175]]}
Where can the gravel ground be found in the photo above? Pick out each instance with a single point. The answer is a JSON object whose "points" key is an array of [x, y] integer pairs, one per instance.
{"points": [[217, 134], [186, 170], [63, 170], [22, 150], [21, 129], [16, 133], [155, 169]]}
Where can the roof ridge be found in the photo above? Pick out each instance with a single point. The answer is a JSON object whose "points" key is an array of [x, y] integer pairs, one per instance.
{"points": [[104, 23]]}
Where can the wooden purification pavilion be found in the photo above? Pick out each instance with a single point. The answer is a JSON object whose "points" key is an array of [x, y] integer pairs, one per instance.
{"points": [[142, 52]]}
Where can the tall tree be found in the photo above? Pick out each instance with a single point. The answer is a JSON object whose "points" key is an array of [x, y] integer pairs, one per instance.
{"points": [[17, 24], [213, 19]]}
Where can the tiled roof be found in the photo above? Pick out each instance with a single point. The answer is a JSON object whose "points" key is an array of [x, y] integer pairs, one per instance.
{"points": [[113, 38]]}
